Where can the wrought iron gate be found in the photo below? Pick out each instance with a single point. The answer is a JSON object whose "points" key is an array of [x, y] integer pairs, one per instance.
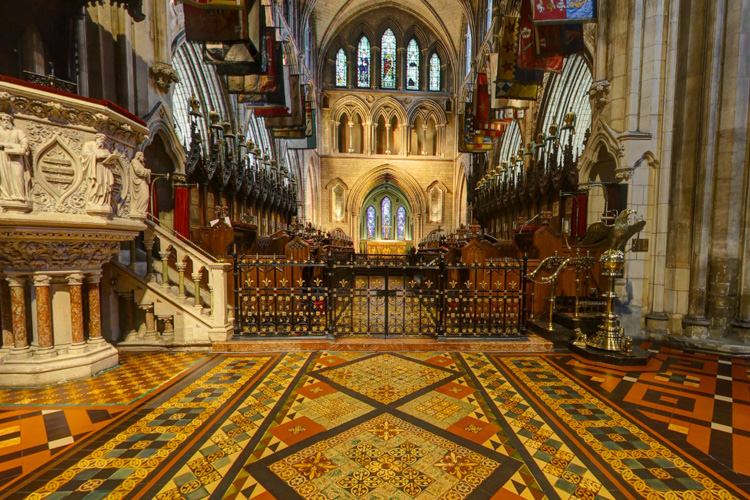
{"points": [[379, 296], [385, 295]]}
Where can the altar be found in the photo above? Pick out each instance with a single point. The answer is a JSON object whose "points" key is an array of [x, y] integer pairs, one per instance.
{"points": [[385, 247]]}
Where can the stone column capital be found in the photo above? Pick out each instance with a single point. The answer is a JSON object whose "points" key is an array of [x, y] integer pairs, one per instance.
{"points": [[181, 266], [196, 276], [94, 277], [42, 280], [16, 280], [75, 279]]}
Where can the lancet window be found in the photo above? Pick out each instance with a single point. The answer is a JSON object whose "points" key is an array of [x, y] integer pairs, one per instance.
{"points": [[341, 68], [388, 60], [412, 65], [363, 62], [435, 72]]}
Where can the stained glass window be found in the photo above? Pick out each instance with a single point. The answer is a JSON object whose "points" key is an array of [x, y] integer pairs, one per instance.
{"points": [[341, 68], [385, 217], [435, 72], [370, 214], [400, 222], [412, 65], [388, 60], [363, 62]]}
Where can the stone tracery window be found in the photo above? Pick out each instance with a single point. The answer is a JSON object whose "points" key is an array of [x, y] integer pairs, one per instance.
{"points": [[363, 62], [435, 73], [385, 216], [412, 65], [388, 60], [370, 216], [400, 222], [341, 68]]}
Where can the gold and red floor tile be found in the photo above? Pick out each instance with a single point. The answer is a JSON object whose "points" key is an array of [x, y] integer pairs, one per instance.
{"points": [[347, 425]]}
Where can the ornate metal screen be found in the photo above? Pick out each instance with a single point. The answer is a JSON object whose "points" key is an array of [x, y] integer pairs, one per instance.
{"points": [[379, 295]]}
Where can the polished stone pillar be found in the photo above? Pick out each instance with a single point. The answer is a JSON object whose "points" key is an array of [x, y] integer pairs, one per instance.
{"points": [[164, 269], [6, 315], [181, 281], [168, 333], [95, 307], [75, 288], [18, 311], [45, 341], [150, 333], [197, 288], [149, 246]]}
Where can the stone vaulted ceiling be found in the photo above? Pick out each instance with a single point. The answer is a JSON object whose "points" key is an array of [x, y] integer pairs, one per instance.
{"points": [[445, 17]]}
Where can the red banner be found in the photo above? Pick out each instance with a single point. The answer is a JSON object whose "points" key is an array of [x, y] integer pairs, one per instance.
{"points": [[527, 57]]}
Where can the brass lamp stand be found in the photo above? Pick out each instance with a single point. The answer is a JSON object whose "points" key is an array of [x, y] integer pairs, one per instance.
{"points": [[610, 334]]}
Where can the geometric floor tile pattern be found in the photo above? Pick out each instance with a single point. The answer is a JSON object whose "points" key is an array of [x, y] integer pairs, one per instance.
{"points": [[328, 425]]}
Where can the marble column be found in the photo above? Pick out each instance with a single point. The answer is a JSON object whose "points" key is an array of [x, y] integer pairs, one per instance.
{"points": [[7, 316], [149, 246], [18, 311], [181, 280], [95, 307], [164, 269], [45, 341], [150, 333], [197, 289], [168, 333], [75, 288]]}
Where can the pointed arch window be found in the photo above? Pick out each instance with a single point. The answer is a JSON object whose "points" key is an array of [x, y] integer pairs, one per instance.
{"points": [[370, 215], [385, 217], [388, 60], [468, 49], [400, 222], [341, 68], [412, 65], [363, 62], [435, 73]]}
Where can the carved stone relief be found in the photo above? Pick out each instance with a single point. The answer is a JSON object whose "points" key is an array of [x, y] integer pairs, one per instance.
{"points": [[56, 255]]}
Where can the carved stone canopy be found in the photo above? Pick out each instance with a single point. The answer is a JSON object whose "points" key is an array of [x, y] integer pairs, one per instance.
{"points": [[54, 247], [164, 76]]}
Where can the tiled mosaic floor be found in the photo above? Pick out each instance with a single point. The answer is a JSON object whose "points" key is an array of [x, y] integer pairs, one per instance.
{"points": [[334, 425]]}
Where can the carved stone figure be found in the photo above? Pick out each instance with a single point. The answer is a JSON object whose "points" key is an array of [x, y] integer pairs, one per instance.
{"points": [[141, 181], [15, 168], [96, 172]]}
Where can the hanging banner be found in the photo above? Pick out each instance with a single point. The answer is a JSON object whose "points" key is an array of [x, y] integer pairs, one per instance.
{"points": [[512, 82], [527, 56], [564, 11], [266, 83], [550, 40], [203, 25]]}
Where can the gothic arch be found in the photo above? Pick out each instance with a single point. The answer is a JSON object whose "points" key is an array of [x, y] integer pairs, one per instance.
{"points": [[389, 107], [397, 176], [391, 23], [426, 108], [162, 125], [603, 137], [349, 104]]}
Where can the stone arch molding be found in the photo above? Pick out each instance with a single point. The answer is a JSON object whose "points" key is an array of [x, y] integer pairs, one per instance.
{"points": [[389, 107], [350, 105], [427, 108], [604, 136], [397, 176]]}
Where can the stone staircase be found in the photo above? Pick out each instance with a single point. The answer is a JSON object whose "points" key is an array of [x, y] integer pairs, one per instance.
{"points": [[179, 301]]}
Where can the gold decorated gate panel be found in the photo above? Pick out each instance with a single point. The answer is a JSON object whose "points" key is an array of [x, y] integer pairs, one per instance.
{"points": [[372, 297]]}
